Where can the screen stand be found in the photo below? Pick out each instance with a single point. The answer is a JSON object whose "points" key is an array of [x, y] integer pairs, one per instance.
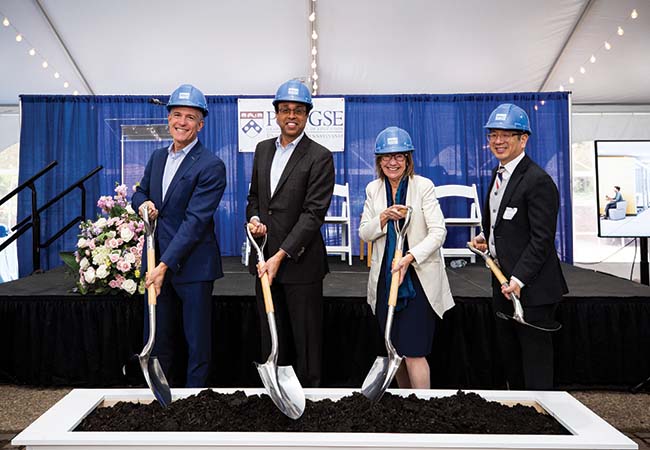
{"points": [[643, 267]]}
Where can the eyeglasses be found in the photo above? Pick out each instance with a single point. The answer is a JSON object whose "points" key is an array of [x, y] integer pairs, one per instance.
{"points": [[491, 137], [399, 157], [299, 111]]}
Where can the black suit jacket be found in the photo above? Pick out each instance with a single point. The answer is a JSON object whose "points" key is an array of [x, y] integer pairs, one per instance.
{"points": [[295, 213], [525, 244]]}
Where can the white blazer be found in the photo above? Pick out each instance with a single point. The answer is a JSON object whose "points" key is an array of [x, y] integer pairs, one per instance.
{"points": [[426, 234]]}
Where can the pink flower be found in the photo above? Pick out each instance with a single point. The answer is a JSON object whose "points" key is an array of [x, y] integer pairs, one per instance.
{"points": [[123, 266]]}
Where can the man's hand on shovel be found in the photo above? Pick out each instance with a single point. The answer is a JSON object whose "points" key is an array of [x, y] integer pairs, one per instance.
{"points": [[156, 276], [511, 288], [151, 210]]}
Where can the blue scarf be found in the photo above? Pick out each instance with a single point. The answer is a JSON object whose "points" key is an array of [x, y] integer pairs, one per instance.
{"points": [[406, 290]]}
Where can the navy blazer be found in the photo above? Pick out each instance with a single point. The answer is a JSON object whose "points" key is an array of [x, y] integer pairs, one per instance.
{"points": [[296, 211], [526, 243], [185, 238]]}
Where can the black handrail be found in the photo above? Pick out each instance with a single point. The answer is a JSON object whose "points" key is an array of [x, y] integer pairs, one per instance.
{"points": [[26, 183], [33, 221]]}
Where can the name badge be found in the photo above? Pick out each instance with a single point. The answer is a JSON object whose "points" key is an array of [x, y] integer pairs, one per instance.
{"points": [[509, 213]]}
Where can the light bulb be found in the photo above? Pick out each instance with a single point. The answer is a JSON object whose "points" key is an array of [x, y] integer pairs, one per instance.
{"points": [[536, 108], [315, 85], [582, 70], [66, 84], [620, 31], [5, 22], [543, 102], [19, 37], [561, 88], [76, 92], [315, 76], [608, 46], [572, 80], [634, 14], [312, 17], [56, 75], [592, 59], [314, 51], [44, 65], [32, 51], [313, 64], [314, 35]]}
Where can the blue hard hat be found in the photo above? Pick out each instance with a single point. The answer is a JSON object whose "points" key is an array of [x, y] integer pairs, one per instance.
{"points": [[188, 95], [509, 117], [393, 140], [3, 230], [293, 91]]}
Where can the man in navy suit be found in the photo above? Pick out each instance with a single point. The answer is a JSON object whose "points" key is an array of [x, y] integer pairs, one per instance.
{"points": [[291, 189], [181, 189], [519, 222]]}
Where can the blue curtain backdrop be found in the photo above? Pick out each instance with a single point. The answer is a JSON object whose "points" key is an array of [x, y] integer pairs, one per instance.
{"points": [[81, 132]]}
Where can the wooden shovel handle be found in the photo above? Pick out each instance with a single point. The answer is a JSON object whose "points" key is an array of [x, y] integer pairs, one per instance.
{"points": [[151, 263], [496, 271], [266, 290], [394, 280]]}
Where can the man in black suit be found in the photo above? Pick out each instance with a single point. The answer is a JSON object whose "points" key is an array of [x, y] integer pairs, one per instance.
{"points": [[519, 222], [290, 192]]}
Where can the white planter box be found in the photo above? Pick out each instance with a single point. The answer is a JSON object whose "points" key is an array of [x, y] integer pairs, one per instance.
{"points": [[53, 430]]}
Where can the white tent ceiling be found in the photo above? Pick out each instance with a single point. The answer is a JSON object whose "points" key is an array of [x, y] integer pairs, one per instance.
{"points": [[148, 47]]}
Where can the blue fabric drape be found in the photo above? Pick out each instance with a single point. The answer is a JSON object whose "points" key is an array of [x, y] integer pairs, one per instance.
{"points": [[81, 132]]}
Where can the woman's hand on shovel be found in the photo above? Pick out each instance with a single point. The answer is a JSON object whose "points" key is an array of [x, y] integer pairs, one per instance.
{"points": [[402, 265], [156, 277]]}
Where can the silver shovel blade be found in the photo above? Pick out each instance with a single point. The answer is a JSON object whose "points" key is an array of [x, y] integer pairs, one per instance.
{"points": [[284, 388], [156, 379], [380, 376]]}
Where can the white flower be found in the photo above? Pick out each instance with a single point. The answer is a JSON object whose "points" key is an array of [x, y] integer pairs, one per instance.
{"points": [[101, 222], [129, 257], [100, 255], [89, 275], [102, 272], [129, 286], [129, 208], [126, 234], [81, 243], [83, 264]]}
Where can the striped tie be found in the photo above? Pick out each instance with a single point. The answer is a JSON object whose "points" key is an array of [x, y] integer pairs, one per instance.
{"points": [[499, 178]]}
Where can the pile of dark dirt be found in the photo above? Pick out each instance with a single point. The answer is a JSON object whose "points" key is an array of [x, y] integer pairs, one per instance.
{"points": [[466, 413]]}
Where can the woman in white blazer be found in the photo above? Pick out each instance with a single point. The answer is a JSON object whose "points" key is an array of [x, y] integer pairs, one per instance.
{"points": [[424, 289]]}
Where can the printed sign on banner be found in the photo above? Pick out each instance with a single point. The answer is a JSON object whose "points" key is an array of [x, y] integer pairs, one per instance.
{"points": [[326, 123]]}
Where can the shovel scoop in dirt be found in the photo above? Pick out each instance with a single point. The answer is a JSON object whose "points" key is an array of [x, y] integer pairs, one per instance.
{"points": [[518, 315], [281, 382], [150, 365], [384, 368]]}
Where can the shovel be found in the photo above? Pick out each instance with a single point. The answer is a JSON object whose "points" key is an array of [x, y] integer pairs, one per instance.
{"points": [[150, 365], [281, 382], [384, 368], [518, 315]]}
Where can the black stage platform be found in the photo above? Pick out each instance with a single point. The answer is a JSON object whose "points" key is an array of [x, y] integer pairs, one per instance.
{"points": [[52, 337]]}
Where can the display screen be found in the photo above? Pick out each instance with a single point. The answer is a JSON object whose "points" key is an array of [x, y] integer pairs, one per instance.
{"points": [[623, 188]]}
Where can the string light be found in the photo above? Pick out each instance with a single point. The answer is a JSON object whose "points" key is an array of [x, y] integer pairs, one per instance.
{"points": [[314, 48], [31, 50], [606, 45]]}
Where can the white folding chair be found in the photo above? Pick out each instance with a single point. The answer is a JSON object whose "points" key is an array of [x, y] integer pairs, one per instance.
{"points": [[343, 191], [472, 220]]}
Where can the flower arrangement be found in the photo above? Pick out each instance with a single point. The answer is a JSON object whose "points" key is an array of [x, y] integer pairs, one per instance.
{"points": [[109, 250]]}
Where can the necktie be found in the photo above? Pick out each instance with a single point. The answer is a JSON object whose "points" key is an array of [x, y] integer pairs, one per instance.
{"points": [[499, 178]]}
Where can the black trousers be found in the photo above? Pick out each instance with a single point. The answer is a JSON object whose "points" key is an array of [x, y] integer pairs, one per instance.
{"points": [[526, 353], [299, 320]]}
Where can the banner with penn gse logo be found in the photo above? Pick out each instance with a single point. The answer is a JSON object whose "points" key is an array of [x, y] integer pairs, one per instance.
{"points": [[325, 125]]}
